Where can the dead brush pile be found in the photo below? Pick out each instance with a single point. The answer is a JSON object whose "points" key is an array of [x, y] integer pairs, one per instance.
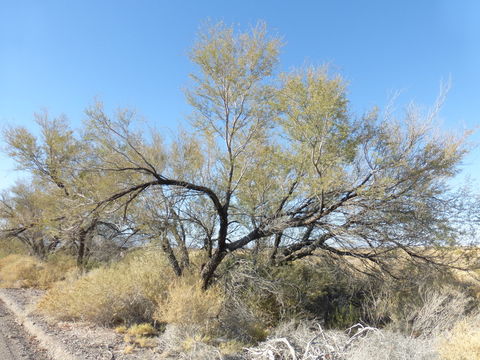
{"points": [[308, 341]]}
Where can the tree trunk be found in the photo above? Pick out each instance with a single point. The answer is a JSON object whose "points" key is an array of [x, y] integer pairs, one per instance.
{"points": [[208, 269], [167, 249], [276, 244], [81, 249], [84, 235], [182, 247]]}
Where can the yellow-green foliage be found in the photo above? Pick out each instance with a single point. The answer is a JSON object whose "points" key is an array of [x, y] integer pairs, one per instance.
{"points": [[463, 342], [139, 335], [144, 342], [22, 271], [190, 342], [144, 329], [125, 292], [122, 329], [187, 303]]}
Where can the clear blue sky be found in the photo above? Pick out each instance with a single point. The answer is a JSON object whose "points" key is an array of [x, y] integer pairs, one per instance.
{"points": [[59, 55]]}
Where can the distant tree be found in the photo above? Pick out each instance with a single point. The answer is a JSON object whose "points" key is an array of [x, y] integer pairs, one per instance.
{"points": [[22, 217]]}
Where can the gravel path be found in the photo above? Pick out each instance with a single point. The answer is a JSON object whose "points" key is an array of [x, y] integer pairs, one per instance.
{"points": [[15, 343], [68, 340]]}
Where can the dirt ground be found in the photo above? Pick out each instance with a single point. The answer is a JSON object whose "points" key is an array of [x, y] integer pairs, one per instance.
{"points": [[82, 341], [15, 343]]}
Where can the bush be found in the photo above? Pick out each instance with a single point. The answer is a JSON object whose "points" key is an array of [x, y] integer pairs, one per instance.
{"points": [[186, 303], [138, 335], [12, 246], [22, 271], [463, 342], [123, 293], [388, 345], [426, 302], [299, 290]]}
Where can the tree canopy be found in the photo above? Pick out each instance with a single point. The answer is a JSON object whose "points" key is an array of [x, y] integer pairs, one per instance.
{"points": [[271, 161]]}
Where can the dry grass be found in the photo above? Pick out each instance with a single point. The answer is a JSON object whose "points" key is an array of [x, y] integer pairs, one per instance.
{"points": [[11, 246], [187, 303], [126, 292], [186, 342], [22, 271], [144, 329], [138, 336], [246, 306], [387, 345], [463, 342], [441, 309]]}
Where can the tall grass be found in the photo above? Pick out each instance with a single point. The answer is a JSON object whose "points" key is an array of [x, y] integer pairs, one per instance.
{"points": [[12, 246], [23, 271], [126, 292], [463, 341], [186, 303]]}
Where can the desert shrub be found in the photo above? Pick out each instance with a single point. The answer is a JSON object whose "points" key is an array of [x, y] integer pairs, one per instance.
{"points": [[260, 296], [188, 342], [144, 329], [441, 310], [425, 302], [308, 340], [19, 271], [139, 335], [186, 303], [462, 342], [125, 292], [255, 301], [389, 345], [22, 271], [11, 246]]}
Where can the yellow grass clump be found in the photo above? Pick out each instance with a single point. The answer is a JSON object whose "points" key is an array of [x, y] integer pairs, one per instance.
{"points": [[123, 293], [187, 303], [463, 342], [22, 271], [140, 335]]}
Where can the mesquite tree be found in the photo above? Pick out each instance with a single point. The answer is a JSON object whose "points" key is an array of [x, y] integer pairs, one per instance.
{"points": [[61, 168], [279, 158], [270, 159]]}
